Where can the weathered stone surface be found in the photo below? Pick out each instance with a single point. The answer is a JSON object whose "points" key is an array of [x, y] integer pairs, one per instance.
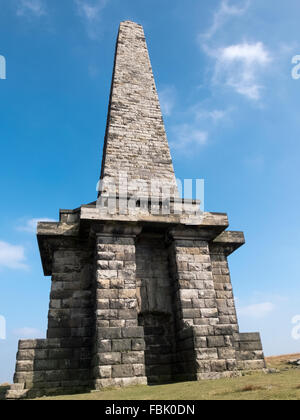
{"points": [[135, 119], [217, 341], [121, 345]]}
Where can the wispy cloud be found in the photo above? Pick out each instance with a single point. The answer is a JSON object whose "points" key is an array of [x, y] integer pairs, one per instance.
{"points": [[30, 225], [259, 310], [31, 7], [12, 256], [27, 332], [167, 98], [240, 67], [91, 13], [226, 10], [188, 137], [214, 115]]}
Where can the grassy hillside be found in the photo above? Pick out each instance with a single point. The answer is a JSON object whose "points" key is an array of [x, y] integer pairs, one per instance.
{"points": [[258, 386]]}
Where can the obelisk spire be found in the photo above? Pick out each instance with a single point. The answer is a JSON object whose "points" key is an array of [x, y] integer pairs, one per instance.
{"points": [[135, 140]]}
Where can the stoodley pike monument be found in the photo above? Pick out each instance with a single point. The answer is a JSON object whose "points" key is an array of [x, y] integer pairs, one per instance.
{"points": [[140, 285]]}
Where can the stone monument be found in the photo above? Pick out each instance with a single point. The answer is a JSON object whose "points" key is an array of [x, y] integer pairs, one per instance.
{"points": [[141, 294]]}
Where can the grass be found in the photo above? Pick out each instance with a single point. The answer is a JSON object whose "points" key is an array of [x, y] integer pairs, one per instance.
{"points": [[284, 385]]}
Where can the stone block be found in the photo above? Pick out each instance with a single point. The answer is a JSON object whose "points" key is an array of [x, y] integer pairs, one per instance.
{"points": [[127, 313], [198, 303], [103, 303], [251, 365], [133, 357], [117, 323], [209, 313], [103, 265], [102, 284], [111, 358], [107, 314], [218, 366], [108, 293], [227, 353], [204, 330], [104, 372], [106, 256], [109, 333], [117, 283], [223, 330], [133, 332], [200, 342], [138, 344], [203, 366], [191, 313], [206, 354], [217, 341], [127, 294], [122, 371], [248, 337], [188, 294], [116, 265], [46, 364], [25, 366], [138, 369], [250, 346], [104, 346], [121, 345]]}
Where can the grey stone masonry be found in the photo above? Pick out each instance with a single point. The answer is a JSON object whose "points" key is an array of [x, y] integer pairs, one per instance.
{"points": [[119, 341], [207, 341], [223, 287], [139, 298], [135, 140]]}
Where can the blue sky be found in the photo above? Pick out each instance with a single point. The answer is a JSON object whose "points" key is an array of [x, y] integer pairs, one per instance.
{"points": [[231, 109]]}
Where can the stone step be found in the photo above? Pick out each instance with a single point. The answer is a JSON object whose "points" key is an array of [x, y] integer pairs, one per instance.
{"points": [[16, 394], [17, 387]]}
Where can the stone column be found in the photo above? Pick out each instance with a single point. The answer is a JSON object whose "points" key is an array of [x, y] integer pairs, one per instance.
{"points": [[192, 272], [249, 354], [119, 342], [205, 347], [223, 286]]}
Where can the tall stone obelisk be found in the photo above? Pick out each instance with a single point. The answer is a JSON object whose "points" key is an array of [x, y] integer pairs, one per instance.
{"points": [[138, 297], [135, 140]]}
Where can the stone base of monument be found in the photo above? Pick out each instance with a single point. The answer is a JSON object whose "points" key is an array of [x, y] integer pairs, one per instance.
{"points": [[44, 367], [135, 303]]}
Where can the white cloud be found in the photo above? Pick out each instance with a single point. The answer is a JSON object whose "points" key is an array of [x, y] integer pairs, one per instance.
{"points": [[188, 137], [226, 10], [30, 225], [32, 7], [91, 12], [28, 333], [247, 53], [215, 115], [167, 98], [239, 67], [12, 256], [260, 310]]}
